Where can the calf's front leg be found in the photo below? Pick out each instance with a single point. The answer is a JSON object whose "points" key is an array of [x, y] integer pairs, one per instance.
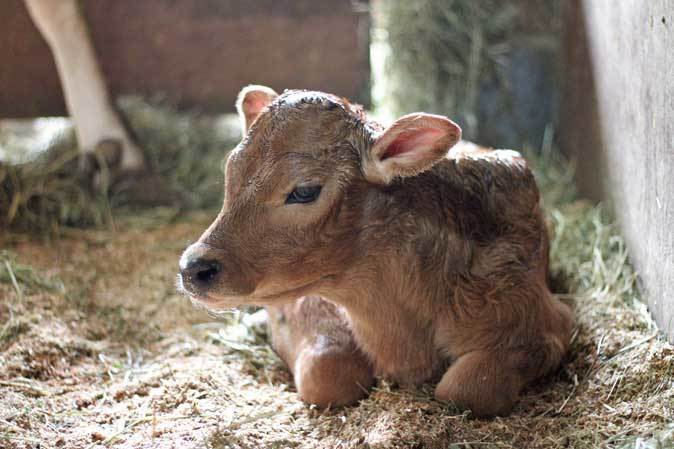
{"points": [[485, 382], [313, 339]]}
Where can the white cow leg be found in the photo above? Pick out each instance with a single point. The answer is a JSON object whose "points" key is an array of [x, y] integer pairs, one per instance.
{"points": [[63, 26]]}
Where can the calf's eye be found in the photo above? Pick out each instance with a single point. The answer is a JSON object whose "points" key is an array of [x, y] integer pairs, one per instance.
{"points": [[303, 195]]}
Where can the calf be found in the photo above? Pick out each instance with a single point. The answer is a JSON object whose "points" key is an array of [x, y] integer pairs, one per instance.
{"points": [[412, 258]]}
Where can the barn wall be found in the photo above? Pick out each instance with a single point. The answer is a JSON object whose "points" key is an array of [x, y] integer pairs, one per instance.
{"points": [[618, 122], [198, 53]]}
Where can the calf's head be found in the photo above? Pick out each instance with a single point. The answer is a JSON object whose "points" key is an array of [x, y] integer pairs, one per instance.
{"points": [[308, 177]]}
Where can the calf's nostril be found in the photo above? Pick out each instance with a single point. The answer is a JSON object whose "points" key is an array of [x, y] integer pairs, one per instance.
{"points": [[200, 271], [208, 272]]}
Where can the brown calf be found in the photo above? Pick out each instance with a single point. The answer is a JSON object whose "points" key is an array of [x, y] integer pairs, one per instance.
{"points": [[410, 261]]}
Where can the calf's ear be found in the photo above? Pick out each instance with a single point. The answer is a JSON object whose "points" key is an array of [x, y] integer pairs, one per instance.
{"points": [[250, 103], [411, 145]]}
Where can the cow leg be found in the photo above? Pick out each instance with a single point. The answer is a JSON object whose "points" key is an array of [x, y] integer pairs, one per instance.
{"points": [[96, 121], [314, 340]]}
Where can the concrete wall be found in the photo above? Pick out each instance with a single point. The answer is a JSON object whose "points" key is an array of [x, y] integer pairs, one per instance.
{"points": [[618, 121], [198, 53]]}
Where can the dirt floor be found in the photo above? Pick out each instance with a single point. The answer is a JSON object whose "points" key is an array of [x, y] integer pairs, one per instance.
{"points": [[98, 350]]}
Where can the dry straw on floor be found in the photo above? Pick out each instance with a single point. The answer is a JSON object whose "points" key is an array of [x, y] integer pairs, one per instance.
{"points": [[98, 350]]}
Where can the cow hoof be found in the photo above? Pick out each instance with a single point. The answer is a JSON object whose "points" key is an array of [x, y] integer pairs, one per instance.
{"points": [[142, 189], [103, 170]]}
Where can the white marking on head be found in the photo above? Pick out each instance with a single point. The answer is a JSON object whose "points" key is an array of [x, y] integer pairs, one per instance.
{"points": [[507, 155]]}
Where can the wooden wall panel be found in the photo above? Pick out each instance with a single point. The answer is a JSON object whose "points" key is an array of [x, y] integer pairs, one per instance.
{"points": [[618, 122], [199, 53]]}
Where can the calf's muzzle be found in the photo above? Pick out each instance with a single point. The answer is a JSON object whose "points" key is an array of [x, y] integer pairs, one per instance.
{"points": [[198, 269]]}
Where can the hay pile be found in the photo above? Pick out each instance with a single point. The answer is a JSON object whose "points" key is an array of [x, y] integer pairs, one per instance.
{"points": [[184, 153], [41, 194], [488, 64]]}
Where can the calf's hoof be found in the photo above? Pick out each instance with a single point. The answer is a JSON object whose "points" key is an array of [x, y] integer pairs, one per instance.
{"points": [[332, 378], [481, 382]]}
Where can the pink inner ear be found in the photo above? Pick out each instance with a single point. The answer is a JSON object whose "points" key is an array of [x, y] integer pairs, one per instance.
{"points": [[408, 141], [253, 106]]}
